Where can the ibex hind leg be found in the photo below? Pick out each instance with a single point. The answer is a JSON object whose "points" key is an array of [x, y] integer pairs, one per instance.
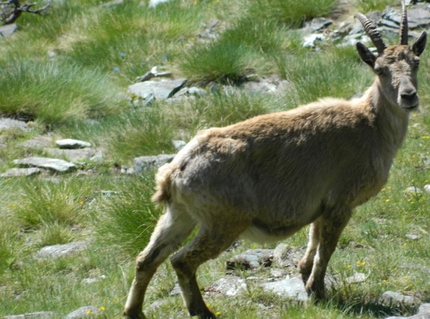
{"points": [[208, 244], [307, 262], [330, 226], [172, 229]]}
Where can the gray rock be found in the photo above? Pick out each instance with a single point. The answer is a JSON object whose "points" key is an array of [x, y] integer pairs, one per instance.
{"points": [[8, 30], [70, 143], [251, 259], [286, 256], [112, 3], [57, 165], [423, 313], [7, 124], [72, 155], [391, 298], [161, 90], [427, 188], [84, 312], [228, 286], [318, 24], [37, 142], [144, 163], [178, 144], [57, 251], [413, 190], [311, 40], [21, 172], [356, 278], [292, 288], [154, 3], [33, 315]]}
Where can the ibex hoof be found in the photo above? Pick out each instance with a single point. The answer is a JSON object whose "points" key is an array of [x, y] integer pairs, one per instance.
{"points": [[134, 316]]}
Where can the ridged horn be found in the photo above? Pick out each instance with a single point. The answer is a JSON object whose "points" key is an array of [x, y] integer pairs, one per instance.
{"points": [[371, 31], [403, 29]]}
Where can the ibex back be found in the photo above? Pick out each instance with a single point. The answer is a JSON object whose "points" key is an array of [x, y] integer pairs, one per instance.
{"points": [[267, 177]]}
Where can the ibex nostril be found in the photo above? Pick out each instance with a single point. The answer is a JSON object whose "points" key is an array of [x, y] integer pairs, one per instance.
{"points": [[409, 96]]}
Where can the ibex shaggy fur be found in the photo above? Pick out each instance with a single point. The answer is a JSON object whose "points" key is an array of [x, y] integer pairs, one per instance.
{"points": [[267, 177]]}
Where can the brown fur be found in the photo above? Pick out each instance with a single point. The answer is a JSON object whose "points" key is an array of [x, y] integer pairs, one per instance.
{"points": [[267, 177]]}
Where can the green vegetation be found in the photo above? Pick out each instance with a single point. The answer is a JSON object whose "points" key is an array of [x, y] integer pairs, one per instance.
{"points": [[67, 74]]}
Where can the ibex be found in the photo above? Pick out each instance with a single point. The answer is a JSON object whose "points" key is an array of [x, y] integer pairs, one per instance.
{"points": [[267, 177]]}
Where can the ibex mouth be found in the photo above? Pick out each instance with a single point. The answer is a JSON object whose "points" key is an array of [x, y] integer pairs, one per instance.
{"points": [[410, 108]]}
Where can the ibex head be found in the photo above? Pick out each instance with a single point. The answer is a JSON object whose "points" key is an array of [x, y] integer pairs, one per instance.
{"points": [[396, 66]]}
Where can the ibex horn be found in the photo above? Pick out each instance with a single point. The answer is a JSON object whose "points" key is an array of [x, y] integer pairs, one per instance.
{"points": [[371, 31], [403, 29]]}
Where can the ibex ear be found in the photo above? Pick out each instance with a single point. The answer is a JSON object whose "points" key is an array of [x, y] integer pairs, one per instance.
{"points": [[418, 47], [366, 55]]}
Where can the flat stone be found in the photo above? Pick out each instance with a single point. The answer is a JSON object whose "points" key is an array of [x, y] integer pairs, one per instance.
{"points": [[250, 259], [423, 313], [33, 315], [392, 298], [84, 312], [161, 90], [144, 163], [38, 142], [57, 251], [8, 30], [292, 288], [21, 172], [69, 143], [72, 155], [7, 124], [57, 165], [356, 278], [286, 256], [230, 286]]}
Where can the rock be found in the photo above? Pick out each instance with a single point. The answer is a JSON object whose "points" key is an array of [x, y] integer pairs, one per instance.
{"points": [[427, 188], [57, 165], [178, 144], [57, 251], [69, 143], [21, 172], [8, 124], [161, 90], [154, 3], [417, 18], [72, 155], [412, 236], [229, 286], [356, 278], [276, 272], [8, 30], [423, 313], [413, 190], [251, 259], [33, 315], [318, 24], [112, 3], [391, 298], [311, 40], [286, 256], [292, 288], [38, 142], [144, 163], [84, 312]]}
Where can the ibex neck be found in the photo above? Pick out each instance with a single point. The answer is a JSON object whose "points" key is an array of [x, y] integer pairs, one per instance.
{"points": [[391, 121]]}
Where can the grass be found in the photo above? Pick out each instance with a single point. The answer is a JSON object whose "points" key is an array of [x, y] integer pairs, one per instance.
{"points": [[67, 74]]}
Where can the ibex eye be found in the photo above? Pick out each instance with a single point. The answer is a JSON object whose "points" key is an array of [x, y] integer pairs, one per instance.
{"points": [[378, 70]]}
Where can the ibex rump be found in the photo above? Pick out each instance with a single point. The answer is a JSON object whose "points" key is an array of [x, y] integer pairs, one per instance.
{"points": [[269, 176]]}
